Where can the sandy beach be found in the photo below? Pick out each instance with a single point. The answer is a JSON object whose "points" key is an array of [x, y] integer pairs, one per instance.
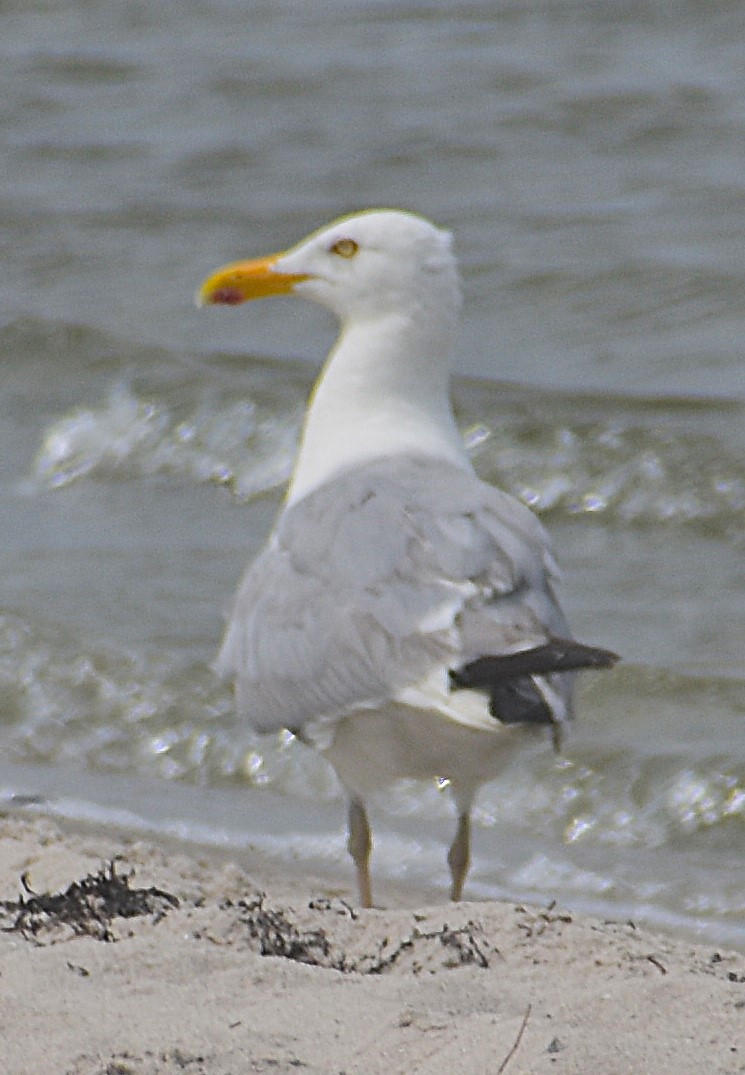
{"points": [[122, 958]]}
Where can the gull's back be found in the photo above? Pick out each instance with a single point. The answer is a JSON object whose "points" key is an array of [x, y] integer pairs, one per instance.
{"points": [[377, 586]]}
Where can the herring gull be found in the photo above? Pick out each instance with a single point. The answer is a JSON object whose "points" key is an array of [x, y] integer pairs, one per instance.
{"points": [[401, 618]]}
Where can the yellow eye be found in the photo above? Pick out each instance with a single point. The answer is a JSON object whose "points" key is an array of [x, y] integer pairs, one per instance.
{"points": [[345, 248]]}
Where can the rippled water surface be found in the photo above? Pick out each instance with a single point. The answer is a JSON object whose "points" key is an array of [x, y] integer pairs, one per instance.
{"points": [[590, 160]]}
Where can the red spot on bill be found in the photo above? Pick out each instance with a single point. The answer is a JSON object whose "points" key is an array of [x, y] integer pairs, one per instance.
{"points": [[225, 296]]}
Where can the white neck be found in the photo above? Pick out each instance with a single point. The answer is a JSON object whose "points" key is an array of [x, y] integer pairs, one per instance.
{"points": [[383, 391]]}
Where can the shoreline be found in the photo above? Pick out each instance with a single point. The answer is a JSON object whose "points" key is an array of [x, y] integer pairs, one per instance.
{"points": [[152, 964]]}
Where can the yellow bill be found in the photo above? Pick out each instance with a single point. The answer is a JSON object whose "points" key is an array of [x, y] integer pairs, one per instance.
{"points": [[242, 281]]}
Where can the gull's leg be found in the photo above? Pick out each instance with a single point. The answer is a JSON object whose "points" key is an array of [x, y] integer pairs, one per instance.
{"points": [[459, 855], [359, 845]]}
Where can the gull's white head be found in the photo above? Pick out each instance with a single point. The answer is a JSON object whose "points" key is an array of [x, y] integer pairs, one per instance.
{"points": [[368, 265], [391, 279]]}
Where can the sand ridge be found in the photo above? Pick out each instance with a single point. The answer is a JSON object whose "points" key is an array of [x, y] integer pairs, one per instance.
{"points": [[214, 970]]}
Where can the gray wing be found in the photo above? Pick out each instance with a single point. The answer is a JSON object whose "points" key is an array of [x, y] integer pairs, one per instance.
{"points": [[392, 575]]}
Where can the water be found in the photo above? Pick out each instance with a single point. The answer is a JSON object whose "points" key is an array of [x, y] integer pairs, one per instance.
{"points": [[590, 159]]}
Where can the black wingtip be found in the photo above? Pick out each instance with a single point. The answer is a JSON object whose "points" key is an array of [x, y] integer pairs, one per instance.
{"points": [[558, 655], [509, 679]]}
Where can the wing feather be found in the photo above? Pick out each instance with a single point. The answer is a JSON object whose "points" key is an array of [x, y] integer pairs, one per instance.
{"points": [[378, 580]]}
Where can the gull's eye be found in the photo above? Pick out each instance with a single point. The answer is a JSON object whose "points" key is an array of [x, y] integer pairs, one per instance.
{"points": [[345, 248]]}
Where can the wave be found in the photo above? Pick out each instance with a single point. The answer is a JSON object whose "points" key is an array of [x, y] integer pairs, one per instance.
{"points": [[627, 463], [230, 442], [67, 698], [235, 420]]}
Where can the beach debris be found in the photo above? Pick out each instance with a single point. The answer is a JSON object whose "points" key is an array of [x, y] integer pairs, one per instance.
{"points": [[302, 938], [87, 907], [516, 1044]]}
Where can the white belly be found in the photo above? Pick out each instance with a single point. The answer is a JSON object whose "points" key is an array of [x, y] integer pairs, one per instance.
{"points": [[373, 748]]}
